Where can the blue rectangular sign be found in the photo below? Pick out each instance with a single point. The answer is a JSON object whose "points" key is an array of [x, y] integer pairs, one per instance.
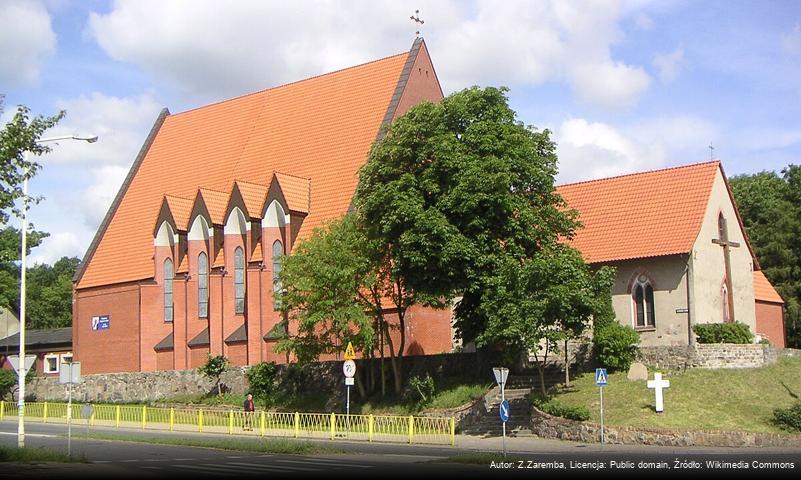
{"points": [[600, 377], [101, 322]]}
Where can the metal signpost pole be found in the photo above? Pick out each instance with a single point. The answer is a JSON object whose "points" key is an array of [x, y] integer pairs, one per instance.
{"points": [[503, 400], [69, 416], [602, 414]]}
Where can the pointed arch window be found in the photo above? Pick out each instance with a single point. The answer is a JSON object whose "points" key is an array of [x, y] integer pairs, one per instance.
{"points": [[278, 252], [169, 274], [643, 298], [239, 280], [203, 285]]}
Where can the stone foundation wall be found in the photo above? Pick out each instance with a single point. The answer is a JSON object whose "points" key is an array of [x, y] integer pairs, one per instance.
{"points": [[312, 379], [709, 355], [547, 426]]}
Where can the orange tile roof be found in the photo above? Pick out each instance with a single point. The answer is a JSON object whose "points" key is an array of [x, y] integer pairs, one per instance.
{"points": [[763, 289], [297, 191], [180, 208], [216, 202], [320, 128], [257, 255], [641, 215], [253, 195]]}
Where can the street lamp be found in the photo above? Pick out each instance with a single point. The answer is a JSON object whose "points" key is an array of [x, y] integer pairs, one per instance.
{"points": [[23, 264]]}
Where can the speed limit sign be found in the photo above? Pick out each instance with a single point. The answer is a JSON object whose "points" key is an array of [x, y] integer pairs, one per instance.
{"points": [[349, 368]]}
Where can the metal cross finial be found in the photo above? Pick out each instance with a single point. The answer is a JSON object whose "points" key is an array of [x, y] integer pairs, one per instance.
{"points": [[711, 151], [418, 21]]}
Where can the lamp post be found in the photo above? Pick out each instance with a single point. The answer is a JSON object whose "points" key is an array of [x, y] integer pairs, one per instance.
{"points": [[23, 265]]}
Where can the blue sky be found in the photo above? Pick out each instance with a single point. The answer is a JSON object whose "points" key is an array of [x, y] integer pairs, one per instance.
{"points": [[623, 85]]}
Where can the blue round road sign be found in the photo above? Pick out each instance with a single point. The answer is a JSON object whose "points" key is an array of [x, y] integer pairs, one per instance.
{"points": [[504, 411]]}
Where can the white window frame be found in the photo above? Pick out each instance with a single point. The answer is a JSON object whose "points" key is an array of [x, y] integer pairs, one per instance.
{"points": [[66, 355], [46, 366]]}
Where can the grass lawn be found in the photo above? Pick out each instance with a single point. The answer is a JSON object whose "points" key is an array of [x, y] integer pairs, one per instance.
{"points": [[447, 396], [28, 455], [729, 399], [266, 445]]}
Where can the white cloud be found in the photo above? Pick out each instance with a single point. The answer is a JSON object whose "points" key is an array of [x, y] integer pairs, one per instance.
{"points": [[608, 84], [791, 42], [120, 123], [215, 52], [596, 150], [97, 198], [669, 65], [57, 245], [26, 39]]}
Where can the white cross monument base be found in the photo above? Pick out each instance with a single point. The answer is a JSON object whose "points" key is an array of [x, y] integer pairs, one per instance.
{"points": [[658, 384]]}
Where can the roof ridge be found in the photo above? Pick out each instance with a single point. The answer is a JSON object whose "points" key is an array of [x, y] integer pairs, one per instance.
{"points": [[291, 175], [251, 183], [201, 189], [645, 172], [314, 77]]}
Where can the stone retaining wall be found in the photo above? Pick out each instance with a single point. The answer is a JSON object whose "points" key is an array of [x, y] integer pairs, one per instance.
{"points": [[548, 426], [312, 380], [708, 355]]}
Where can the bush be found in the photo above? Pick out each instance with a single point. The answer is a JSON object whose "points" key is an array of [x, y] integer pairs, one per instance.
{"points": [[8, 382], [788, 418], [616, 345], [723, 333], [261, 381], [422, 389], [551, 406], [213, 369]]}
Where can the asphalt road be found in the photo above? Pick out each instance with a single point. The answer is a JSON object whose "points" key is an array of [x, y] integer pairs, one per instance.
{"points": [[118, 460]]}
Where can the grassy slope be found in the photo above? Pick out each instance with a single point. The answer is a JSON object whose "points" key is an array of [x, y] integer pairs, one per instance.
{"points": [[261, 445], [26, 455], [448, 397], [731, 399]]}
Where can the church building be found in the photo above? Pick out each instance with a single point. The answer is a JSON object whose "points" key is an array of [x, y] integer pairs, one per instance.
{"points": [[186, 262], [681, 253]]}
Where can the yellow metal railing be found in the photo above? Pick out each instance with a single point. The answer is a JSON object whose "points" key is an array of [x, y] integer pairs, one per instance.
{"points": [[371, 428]]}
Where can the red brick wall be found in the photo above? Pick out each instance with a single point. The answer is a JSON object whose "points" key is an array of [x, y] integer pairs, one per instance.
{"points": [[770, 322], [198, 356], [422, 84], [115, 349], [238, 354], [164, 360]]}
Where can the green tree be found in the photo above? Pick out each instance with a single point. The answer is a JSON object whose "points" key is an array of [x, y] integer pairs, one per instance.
{"points": [[9, 268], [261, 381], [213, 369], [534, 304], [16, 137], [770, 206], [337, 285], [50, 294], [461, 194]]}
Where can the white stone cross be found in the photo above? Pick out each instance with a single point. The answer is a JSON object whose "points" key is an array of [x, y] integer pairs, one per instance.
{"points": [[658, 384]]}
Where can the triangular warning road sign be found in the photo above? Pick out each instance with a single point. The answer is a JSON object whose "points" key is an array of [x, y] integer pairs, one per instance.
{"points": [[349, 353]]}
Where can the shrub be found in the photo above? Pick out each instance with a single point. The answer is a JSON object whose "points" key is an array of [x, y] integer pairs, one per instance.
{"points": [[213, 369], [616, 345], [8, 382], [261, 381], [551, 406], [723, 333], [422, 389], [788, 418]]}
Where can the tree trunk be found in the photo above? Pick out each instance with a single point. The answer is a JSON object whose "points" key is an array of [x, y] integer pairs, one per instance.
{"points": [[567, 367], [381, 363], [541, 370], [360, 384], [393, 361]]}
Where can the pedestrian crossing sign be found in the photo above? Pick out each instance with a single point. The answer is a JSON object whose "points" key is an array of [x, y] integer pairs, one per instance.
{"points": [[349, 353], [600, 377]]}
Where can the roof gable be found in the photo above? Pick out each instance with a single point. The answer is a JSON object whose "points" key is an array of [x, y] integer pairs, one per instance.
{"points": [[763, 289], [319, 128]]}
